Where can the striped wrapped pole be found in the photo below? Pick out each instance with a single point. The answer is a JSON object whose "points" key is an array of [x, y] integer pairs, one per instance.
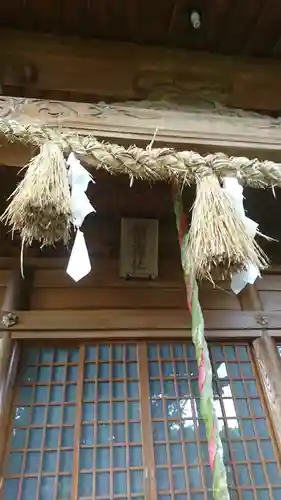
{"points": [[207, 406]]}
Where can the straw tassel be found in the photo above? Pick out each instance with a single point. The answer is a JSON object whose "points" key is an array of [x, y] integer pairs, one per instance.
{"points": [[40, 207], [218, 238], [220, 488]]}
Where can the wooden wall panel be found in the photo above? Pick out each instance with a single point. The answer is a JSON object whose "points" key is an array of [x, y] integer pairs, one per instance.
{"points": [[102, 288], [270, 292], [126, 297]]}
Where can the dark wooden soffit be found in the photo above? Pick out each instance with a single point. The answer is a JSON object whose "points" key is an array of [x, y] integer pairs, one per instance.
{"points": [[206, 131], [227, 26], [91, 70]]}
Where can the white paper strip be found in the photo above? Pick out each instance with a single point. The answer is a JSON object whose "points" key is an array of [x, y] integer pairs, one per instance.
{"points": [[79, 264], [235, 192]]}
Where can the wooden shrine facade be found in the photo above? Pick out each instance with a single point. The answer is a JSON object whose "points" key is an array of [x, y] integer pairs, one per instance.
{"points": [[98, 378]]}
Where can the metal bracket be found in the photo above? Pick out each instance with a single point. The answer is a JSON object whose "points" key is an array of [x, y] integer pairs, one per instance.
{"points": [[262, 320], [9, 319]]}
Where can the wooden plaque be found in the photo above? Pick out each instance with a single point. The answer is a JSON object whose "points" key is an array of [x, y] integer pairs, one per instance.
{"points": [[139, 248]]}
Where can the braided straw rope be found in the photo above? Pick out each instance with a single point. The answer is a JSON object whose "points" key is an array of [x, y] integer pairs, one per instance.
{"points": [[183, 167]]}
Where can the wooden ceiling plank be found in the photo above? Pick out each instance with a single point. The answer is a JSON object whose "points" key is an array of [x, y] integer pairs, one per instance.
{"points": [[121, 71], [264, 34], [242, 17]]}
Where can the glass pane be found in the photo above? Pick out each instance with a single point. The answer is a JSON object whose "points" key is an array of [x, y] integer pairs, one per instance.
{"points": [[117, 352], [162, 477], [104, 411], [118, 411], [102, 484], [132, 370], [35, 438], [32, 462], [133, 390], [104, 371], [67, 438], [86, 458], [104, 352], [54, 415], [14, 463], [65, 487], [70, 396], [134, 433], [73, 355], [191, 453], [59, 373], [72, 373], [89, 393], [120, 483], [88, 411], [25, 395], [47, 485], [69, 415], [103, 458], [118, 391], [29, 487], [11, 488], [273, 473], [46, 355], [136, 481], [44, 374], [87, 435], [103, 390], [22, 416], [195, 478], [152, 351], [267, 450], [131, 352], [91, 353], [38, 415], [160, 452], [52, 438], [119, 456], [169, 388], [56, 394], [90, 371], [135, 455], [49, 461], [118, 433], [176, 454], [103, 434], [179, 478], [66, 459], [258, 474], [61, 355], [118, 370]]}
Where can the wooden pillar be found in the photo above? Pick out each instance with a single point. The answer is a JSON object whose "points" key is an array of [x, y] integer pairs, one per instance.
{"points": [[249, 299], [17, 297], [269, 367]]}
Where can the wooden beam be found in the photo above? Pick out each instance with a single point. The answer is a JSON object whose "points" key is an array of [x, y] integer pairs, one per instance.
{"points": [[95, 69], [206, 131], [269, 367], [149, 334], [145, 319]]}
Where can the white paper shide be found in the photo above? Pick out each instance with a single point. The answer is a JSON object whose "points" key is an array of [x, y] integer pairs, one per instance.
{"points": [[79, 264], [235, 192]]}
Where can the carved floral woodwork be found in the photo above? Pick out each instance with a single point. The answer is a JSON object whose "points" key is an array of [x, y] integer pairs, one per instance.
{"points": [[215, 129]]}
